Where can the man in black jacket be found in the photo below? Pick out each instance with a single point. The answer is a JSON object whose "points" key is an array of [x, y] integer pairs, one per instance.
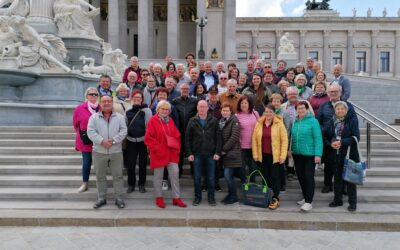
{"points": [[186, 107], [203, 145]]}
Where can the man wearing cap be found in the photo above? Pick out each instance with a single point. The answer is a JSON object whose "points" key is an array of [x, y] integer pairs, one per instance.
{"points": [[231, 96]]}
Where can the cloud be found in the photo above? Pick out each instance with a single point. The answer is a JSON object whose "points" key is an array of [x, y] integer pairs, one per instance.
{"points": [[259, 8], [298, 10]]}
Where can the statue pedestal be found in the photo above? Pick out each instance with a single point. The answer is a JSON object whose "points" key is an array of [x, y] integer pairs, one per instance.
{"points": [[320, 13], [79, 46], [287, 56]]}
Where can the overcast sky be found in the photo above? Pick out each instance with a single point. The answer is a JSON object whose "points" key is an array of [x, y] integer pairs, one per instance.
{"points": [[278, 8]]}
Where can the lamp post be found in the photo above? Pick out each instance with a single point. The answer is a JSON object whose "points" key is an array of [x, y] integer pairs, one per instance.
{"points": [[202, 22]]}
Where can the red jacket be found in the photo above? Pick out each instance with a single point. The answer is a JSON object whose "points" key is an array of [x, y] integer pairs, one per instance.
{"points": [[129, 69], [316, 101], [156, 141], [80, 120]]}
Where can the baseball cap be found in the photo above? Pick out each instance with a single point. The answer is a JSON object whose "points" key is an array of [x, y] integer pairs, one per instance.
{"points": [[213, 89]]}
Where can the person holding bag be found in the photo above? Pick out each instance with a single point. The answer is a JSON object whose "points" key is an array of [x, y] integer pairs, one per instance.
{"points": [[83, 144], [340, 134], [231, 158], [137, 117], [163, 141], [270, 147]]}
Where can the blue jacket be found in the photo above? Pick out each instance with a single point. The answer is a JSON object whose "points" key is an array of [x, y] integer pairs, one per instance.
{"points": [[344, 82], [202, 78], [306, 137]]}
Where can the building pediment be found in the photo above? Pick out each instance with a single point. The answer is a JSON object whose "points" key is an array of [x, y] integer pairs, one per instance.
{"points": [[266, 45], [243, 45], [314, 45], [385, 45], [362, 45], [337, 45]]}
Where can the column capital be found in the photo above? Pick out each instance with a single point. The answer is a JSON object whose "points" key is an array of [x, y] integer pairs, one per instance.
{"points": [[278, 32], [374, 33], [254, 33], [303, 32], [327, 32], [350, 32]]}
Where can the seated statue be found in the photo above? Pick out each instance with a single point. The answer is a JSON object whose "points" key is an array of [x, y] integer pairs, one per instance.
{"points": [[286, 45], [17, 8], [73, 20], [9, 40]]}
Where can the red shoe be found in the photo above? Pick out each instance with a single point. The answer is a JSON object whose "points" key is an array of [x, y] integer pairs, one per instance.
{"points": [[160, 202], [178, 202]]}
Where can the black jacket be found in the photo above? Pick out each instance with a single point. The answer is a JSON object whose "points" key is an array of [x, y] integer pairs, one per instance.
{"points": [[203, 141], [137, 127], [350, 129], [326, 112], [201, 78], [187, 108]]}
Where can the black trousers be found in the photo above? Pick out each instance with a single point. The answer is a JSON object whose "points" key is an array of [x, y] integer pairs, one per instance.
{"points": [[271, 173], [338, 166], [328, 169], [135, 150], [305, 169]]}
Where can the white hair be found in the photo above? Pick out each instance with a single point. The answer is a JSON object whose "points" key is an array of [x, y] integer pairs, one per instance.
{"points": [[335, 85], [157, 65], [208, 62], [163, 103], [91, 89], [220, 63], [301, 76], [180, 65], [122, 86], [292, 89]]}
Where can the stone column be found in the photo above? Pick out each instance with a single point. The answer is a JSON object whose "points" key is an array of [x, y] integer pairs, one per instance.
{"points": [[145, 29], [326, 55], [97, 19], [374, 54], [230, 30], [350, 52], [123, 25], [254, 35], [41, 16], [113, 24], [302, 46], [201, 12], [278, 36], [173, 36], [397, 55]]}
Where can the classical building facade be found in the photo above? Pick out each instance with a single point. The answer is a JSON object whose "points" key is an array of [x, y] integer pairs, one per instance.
{"points": [[156, 28]]}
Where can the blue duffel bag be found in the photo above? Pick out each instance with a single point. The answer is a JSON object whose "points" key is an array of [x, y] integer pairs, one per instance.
{"points": [[255, 194]]}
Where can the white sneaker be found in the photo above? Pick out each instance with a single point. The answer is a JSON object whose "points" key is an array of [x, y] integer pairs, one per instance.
{"points": [[164, 186], [83, 188], [306, 207], [301, 203]]}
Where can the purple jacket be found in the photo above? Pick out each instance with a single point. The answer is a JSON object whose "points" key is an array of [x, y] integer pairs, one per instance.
{"points": [[80, 120]]}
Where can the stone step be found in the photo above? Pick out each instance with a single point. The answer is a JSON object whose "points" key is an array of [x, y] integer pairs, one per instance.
{"points": [[380, 145], [75, 180], [36, 143], [37, 129], [71, 194], [34, 135], [41, 159], [37, 151], [380, 152]]}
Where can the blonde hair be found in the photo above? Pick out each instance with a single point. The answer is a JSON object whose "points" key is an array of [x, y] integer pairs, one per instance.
{"points": [[89, 89], [276, 96], [163, 104]]}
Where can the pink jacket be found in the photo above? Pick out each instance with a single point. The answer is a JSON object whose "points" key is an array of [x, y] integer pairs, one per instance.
{"points": [[80, 120], [247, 123]]}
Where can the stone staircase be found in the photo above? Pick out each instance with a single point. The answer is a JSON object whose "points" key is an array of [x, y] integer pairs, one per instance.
{"points": [[40, 174]]}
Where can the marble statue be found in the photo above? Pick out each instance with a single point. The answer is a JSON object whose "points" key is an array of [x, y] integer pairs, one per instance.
{"points": [[354, 12], [398, 12], [9, 39], [215, 4], [17, 8], [384, 12], [73, 20], [369, 12], [44, 49], [114, 62], [286, 45]]}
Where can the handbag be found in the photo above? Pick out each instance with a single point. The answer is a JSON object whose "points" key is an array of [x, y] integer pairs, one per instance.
{"points": [[354, 172], [125, 141], [255, 194], [172, 142], [84, 137]]}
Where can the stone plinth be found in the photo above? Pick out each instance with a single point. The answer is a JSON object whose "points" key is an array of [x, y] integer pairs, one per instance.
{"points": [[41, 16], [10, 80], [319, 13], [287, 56], [78, 47]]}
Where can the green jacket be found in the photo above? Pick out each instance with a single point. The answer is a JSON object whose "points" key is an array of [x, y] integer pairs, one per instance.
{"points": [[306, 137]]}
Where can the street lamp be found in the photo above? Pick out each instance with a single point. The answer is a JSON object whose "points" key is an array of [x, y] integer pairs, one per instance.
{"points": [[202, 22]]}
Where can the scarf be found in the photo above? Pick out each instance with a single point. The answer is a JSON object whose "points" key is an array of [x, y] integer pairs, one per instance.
{"points": [[222, 122], [338, 124], [278, 110], [105, 91], [320, 94], [93, 107], [212, 106], [301, 89], [164, 118], [121, 98]]}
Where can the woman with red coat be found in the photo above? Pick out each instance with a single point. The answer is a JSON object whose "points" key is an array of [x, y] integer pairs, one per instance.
{"points": [[80, 119], [319, 97], [162, 138]]}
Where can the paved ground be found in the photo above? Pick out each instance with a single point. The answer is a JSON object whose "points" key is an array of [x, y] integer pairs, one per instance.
{"points": [[190, 238]]}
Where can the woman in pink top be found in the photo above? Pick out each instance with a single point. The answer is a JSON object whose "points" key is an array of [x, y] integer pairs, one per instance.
{"points": [[81, 117], [248, 118]]}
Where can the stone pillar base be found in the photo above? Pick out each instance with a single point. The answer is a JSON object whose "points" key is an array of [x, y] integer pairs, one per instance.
{"points": [[287, 56], [78, 47]]}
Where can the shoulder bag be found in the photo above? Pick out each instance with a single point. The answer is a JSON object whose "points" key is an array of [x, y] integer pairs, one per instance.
{"points": [[354, 172]]}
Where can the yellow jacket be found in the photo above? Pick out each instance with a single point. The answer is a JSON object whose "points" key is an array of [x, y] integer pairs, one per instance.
{"points": [[279, 139]]}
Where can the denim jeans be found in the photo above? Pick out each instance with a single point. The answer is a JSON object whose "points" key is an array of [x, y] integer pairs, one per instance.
{"points": [[230, 181], [200, 162], [86, 165]]}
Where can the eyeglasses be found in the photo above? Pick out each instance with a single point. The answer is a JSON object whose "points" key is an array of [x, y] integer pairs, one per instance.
{"points": [[93, 94], [223, 78], [145, 74], [267, 67], [137, 97]]}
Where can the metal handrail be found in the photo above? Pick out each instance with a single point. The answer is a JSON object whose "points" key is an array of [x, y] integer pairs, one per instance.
{"points": [[374, 121]]}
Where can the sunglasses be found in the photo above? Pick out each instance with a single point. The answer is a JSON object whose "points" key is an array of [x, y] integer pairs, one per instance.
{"points": [[223, 78], [145, 74], [93, 94]]}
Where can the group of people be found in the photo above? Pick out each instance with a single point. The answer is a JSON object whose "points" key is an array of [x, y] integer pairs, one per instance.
{"points": [[223, 122]]}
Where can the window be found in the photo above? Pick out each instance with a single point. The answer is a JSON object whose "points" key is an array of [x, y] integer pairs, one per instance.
{"points": [[242, 55], [361, 61], [313, 54], [337, 57], [385, 61], [265, 55]]}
